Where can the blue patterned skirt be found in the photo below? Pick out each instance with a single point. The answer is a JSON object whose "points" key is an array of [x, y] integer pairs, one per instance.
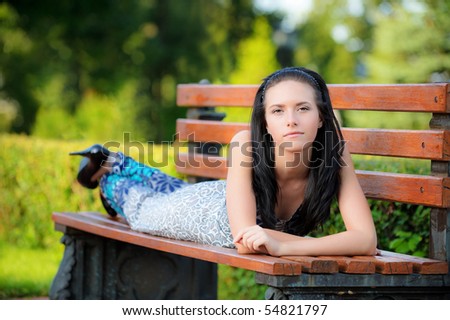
{"points": [[156, 203]]}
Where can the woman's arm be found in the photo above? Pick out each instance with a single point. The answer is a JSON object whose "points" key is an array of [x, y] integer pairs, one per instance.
{"points": [[355, 212], [241, 203], [358, 239]]}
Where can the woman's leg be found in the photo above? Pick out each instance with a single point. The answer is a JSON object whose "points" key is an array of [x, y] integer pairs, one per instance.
{"points": [[126, 173]]}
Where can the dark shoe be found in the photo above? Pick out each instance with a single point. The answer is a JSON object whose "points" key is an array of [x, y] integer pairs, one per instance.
{"points": [[94, 157], [107, 207]]}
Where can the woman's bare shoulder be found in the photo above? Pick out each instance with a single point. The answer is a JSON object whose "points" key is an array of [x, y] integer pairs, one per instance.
{"points": [[241, 137], [240, 149]]}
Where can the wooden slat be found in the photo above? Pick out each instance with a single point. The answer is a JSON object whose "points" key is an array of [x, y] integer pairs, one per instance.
{"points": [[208, 131], [388, 265], [420, 265], [315, 264], [396, 97], [400, 97], [102, 225], [416, 189], [408, 188], [353, 265], [198, 95], [214, 167], [420, 144]]}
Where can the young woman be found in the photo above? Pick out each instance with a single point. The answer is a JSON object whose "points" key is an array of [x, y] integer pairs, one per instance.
{"points": [[274, 194]]}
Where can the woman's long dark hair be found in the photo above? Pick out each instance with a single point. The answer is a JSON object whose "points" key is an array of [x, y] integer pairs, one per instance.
{"points": [[326, 157]]}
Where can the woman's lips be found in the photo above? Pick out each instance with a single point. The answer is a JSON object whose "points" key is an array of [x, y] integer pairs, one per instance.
{"points": [[293, 134]]}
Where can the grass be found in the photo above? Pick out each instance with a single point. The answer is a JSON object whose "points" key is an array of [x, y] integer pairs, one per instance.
{"points": [[27, 272]]}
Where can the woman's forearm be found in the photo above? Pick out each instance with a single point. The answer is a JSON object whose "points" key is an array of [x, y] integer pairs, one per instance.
{"points": [[350, 242]]}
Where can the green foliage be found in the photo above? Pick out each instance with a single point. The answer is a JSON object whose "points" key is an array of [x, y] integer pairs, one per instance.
{"points": [[37, 177], [392, 164], [256, 56], [66, 63], [236, 283], [419, 46], [15, 70], [8, 112], [252, 66], [376, 41], [377, 119], [402, 228], [406, 242], [335, 58]]}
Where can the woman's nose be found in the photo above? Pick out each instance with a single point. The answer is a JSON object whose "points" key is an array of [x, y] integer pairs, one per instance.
{"points": [[291, 119]]}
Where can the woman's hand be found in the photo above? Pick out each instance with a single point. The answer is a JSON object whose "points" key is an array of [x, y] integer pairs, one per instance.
{"points": [[255, 239]]}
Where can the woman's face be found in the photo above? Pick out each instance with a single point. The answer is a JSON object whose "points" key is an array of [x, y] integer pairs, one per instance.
{"points": [[292, 115]]}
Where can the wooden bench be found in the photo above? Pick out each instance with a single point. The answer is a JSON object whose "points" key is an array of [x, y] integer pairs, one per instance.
{"points": [[104, 259]]}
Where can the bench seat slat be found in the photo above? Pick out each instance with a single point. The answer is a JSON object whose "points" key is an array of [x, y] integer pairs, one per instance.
{"points": [[420, 265], [392, 97], [101, 225], [385, 263], [354, 266], [416, 189], [315, 264], [421, 144], [389, 265]]}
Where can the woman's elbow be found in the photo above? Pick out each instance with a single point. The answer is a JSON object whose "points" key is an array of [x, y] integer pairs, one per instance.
{"points": [[366, 243], [369, 245]]}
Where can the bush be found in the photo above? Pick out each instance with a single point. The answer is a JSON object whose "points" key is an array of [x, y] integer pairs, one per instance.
{"points": [[236, 283], [37, 178]]}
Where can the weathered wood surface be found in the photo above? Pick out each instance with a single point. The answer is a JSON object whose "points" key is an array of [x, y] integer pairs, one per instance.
{"points": [[116, 228], [396, 97]]}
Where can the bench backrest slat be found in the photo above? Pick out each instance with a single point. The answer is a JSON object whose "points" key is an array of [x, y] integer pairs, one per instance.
{"points": [[398, 97], [408, 188], [421, 144]]}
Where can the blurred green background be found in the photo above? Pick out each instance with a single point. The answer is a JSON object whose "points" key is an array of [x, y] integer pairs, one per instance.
{"points": [[73, 73]]}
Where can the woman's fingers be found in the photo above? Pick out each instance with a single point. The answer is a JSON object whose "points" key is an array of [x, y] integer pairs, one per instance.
{"points": [[253, 238], [243, 233], [257, 243], [247, 235]]}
